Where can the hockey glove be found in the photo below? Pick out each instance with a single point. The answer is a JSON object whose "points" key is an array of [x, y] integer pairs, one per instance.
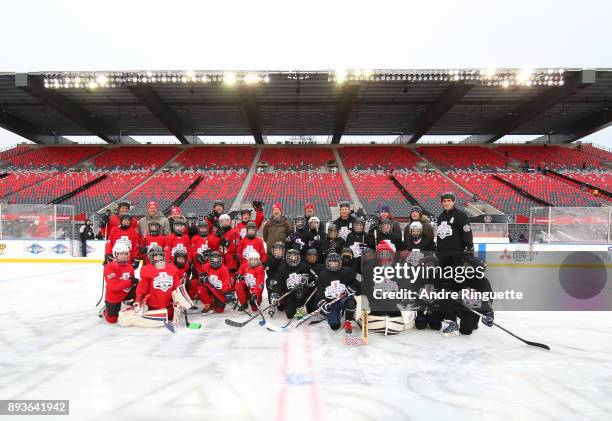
{"points": [[203, 278], [135, 264], [257, 205], [201, 258], [488, 318], [108, 258]]}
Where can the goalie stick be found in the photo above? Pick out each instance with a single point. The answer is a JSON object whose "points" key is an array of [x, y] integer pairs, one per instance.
{"points": [[241, 324], [274, 328]]}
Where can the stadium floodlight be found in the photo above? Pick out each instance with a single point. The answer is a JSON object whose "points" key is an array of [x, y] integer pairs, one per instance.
{"points": [[340, 75], [251, 78], [266, 79], [229, 78]]}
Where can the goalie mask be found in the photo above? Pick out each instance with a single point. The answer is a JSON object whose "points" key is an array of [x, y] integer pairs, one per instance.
{"points": [[126, 220], [179, 226], [251, 230], [385, 255], [179, 258], [225, 220], [157, 257], [203, 228], [254, 259], [293, 258], [416, 230], [385, 226], [359, 226], [332, 231], [215, 260], [314, 223], [333, 262], [154, 228], [299, 223], [121, 253], [278, 250]]}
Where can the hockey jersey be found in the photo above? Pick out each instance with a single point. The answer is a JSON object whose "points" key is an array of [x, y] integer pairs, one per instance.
{"points": [[158, 285], [118, 278]]}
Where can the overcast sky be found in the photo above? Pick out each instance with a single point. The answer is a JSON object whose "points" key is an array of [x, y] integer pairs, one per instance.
{"points": [[149, 35]]}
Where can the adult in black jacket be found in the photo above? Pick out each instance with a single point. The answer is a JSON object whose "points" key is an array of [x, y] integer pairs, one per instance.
{"points": [[86, 233], [384, 232], [455, 240]]}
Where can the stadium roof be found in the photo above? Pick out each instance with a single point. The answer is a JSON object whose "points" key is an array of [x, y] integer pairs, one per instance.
{"points": [[484, 105]]}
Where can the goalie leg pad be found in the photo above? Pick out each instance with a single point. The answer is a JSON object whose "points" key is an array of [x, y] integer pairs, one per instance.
{"points": [[385, 325], [181, 297], [151, 318]]}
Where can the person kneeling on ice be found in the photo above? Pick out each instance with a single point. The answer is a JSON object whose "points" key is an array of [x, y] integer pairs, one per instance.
{"points": [[159, 287], [336, 282], [293, 275], [250, 282], [215, 287], [453, 309], [120, 282]]}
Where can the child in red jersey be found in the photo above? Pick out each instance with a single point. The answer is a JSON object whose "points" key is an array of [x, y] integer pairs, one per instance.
{"points": [[251, 243], [153, 238], [215, 283], [120, 282], [250, 285], [178, 239], [126, 234]]}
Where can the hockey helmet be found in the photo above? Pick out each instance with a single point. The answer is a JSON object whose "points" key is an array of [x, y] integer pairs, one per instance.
{"points": [[293, 257], [333, 262]]}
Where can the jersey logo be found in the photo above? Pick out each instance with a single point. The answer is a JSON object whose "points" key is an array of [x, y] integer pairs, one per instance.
{"points": [[179, 246], [467, 228], [293, 280], [356, 249], [247, 250], [126, 240], [444, 230], [125, 276], [387, 285], [344, 231], [162, 281], [335, 289], [203, 248], [214, 281], [451, 220], [250, 280], [415, 257]]}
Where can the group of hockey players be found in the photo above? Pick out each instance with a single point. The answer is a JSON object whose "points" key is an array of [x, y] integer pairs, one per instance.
{"points": [[303, 265]]}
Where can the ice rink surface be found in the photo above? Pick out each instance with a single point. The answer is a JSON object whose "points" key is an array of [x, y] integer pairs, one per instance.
{"points": [[54, 346]]}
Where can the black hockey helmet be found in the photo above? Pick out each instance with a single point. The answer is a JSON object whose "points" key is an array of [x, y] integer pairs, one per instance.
{"points": [[179, 257], [333, 262], [293, 257], [251, 229], [312, 255], [359, 225], [278, 250], [124, 203], [191, 217], [346, 254], [125, 217], [154, 227], [386, 226], [448, 195], [332, 228], [215, 259], [219, 203], [179, 225], [299, 222]]}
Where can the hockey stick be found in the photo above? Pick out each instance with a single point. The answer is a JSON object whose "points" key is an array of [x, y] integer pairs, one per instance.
{"points": [[539, 345], [301, 309], [241, 324], [274, 328]]}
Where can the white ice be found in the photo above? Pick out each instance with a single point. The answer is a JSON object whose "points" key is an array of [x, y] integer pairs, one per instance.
{"points": [[54, 346]]}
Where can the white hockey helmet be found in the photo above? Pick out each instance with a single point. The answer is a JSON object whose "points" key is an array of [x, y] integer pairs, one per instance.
{"points": [[225, 220], [254, 258], [121, 252]]}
